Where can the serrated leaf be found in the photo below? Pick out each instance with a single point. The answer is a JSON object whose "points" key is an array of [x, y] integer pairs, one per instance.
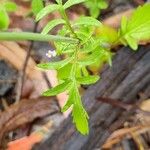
{"points": [[80, 116], [89, 21], [52, 24], [138, 26], [54, 65], [88, 80], [70, 3], [37, 6], [58, 89], [46, 10], [10, 6], [4, 19], [80, 119]]}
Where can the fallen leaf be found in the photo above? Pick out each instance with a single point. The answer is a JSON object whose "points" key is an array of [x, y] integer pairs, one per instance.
{"points": [[20, 114]]}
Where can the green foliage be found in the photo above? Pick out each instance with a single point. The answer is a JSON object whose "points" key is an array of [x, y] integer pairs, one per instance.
{"points": [[70, 3], [137, 28], [5, 7], [52, 24], [46, 10], [95, 6], [83, 43], [88, 80], [37, 5], [93, 47], [55, 65], [72, 70], [58, 89]]}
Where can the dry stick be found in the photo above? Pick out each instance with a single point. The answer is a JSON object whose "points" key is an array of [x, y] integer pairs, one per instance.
{"points": [[22, 73], [130, 109], [127, 107]]}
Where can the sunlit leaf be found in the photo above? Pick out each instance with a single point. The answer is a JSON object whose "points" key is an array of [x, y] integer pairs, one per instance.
{"points": [[70, 3], [37, 6], [55, 65], [51, 25], [58, 89], [46, 10], [88, 80]]}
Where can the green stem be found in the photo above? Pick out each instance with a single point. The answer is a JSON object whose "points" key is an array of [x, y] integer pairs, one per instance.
{"points": [[19, 36], [64, 15]]}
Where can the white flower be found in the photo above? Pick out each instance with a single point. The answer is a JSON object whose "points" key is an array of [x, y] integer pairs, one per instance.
{"points": [[50, 54]]}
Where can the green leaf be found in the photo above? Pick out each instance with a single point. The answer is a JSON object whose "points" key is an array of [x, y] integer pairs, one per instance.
{"points": [[55, 65], [52, 24], [80, 119], [46, 10], [102, 4], [94, 12], [107, 34], [80, 116], [58, 89], [137, 28], [132, 42], [59, 2], [4, 19], [64, 72], [70, 3], [10, 6], [69, 102], [37, 6], [92, 58], [124, 22], [88, 80], [89, 21]]}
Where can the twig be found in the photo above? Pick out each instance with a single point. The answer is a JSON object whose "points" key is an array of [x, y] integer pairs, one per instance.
{"points": [[22, 73], [125, 106], [130, 109]]}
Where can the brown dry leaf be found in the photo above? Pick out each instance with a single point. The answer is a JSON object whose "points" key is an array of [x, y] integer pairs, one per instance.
{"points": [[118, 135], [20, 114], [145, 105]]}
